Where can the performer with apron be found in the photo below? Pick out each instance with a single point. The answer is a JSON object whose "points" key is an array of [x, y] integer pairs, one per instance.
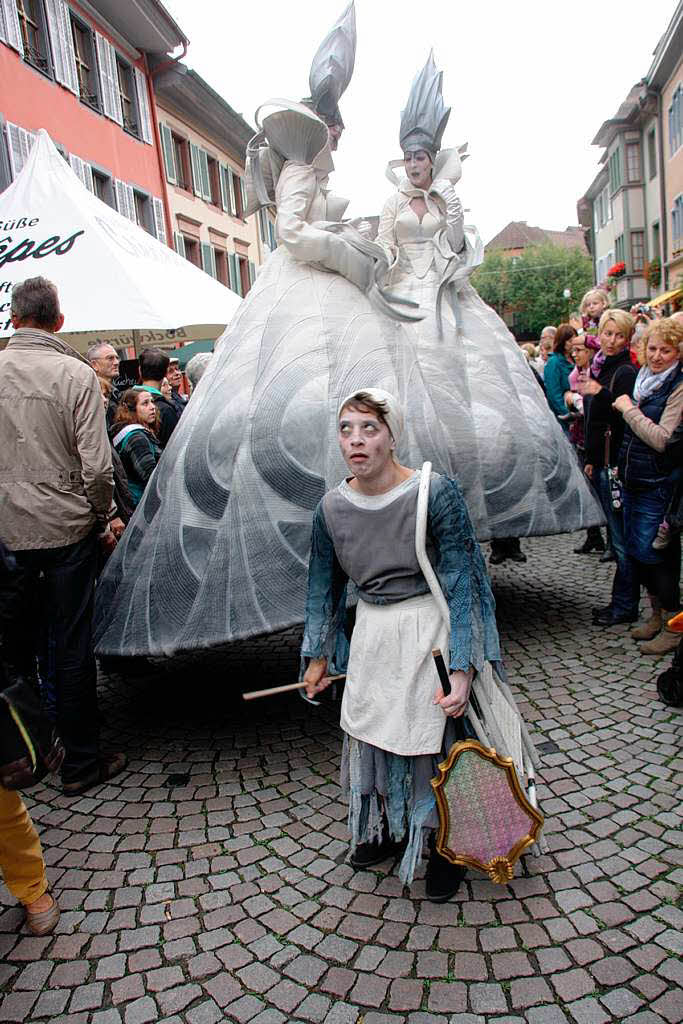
{"points": [[397, 722]]}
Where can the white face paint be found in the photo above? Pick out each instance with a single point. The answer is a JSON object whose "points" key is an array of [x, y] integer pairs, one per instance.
{"points": [[366, 443]]}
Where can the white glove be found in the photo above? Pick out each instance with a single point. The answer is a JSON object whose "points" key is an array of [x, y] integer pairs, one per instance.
{"points": [[455, 218]]}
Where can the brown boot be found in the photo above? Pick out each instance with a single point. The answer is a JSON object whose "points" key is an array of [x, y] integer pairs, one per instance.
{"points": [[665, 641], [649, 629]]}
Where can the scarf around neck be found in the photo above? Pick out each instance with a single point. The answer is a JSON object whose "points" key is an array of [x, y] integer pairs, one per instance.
{"points": [[648, 382]]}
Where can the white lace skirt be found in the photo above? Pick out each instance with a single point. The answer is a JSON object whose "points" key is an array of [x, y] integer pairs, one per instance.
{"points": [[391, 678]]}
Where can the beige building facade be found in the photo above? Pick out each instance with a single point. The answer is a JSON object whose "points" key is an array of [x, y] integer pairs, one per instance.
{"points": [[204, 141], [672, 115], [632, 212]]}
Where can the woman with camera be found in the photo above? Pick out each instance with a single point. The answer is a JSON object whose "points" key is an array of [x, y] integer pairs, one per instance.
{"points": [[648, 483]]}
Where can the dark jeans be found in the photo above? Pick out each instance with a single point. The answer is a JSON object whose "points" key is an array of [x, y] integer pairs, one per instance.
{"points": [[57, 587], [659, 571], [625, 589]]}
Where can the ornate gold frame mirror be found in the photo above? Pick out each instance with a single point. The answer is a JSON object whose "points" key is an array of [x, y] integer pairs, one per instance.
{"points": [[485, 820]]}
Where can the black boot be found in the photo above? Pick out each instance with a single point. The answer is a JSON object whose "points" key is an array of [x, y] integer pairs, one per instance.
{"points": [[593, 542], [670, 683], [498, 551], [366, 855], [442, 879]]}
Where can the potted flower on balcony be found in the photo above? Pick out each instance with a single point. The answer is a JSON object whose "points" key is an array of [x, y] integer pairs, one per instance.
{"points": [[618, 270], [653, 273]]}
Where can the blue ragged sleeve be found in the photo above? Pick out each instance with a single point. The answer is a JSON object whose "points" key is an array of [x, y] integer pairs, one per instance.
{"points": [[463, 577], [324, 635]]}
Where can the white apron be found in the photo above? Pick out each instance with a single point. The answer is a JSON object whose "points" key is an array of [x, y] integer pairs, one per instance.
{"points": [[391, 678]]}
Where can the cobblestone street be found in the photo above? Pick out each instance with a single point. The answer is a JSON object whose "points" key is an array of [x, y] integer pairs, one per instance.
{"points": [[208, 883]]}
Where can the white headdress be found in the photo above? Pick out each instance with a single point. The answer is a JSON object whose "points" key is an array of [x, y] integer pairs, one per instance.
{"points": [[425, 115], [332, 68], [393, 417]]}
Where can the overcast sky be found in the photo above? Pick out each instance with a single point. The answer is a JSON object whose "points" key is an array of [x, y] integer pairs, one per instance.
{"points": [[529, 83]]}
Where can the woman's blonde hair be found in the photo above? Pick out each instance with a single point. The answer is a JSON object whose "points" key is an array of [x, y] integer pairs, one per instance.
{"points": [[624, 321], [593, 293], [668, 330], [529, 350]]}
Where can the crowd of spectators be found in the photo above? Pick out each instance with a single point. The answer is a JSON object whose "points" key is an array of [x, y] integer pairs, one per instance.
{"points": [[614, 381]]}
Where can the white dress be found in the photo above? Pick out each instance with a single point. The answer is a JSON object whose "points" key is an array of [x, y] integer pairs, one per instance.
{"points": [[519, 474], [218, 547]]}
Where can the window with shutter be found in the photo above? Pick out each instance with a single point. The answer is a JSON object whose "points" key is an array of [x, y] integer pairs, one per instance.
{"points": [[19, 143], [83, 170], [252, 273], [62, 44], [225, 192], [196, 170], [125, 200], [106, 59], [234, 274], [83, 41], [169, 157], [9, 25], [179, 243], [143, 106], [159, 219], [206, 181], [208, 259], [231, 193]]}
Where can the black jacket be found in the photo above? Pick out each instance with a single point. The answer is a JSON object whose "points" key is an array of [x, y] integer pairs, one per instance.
{"points": [[617, 377]]}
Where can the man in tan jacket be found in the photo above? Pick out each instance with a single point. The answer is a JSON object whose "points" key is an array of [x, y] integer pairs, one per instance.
{"points": [[56, 485]]}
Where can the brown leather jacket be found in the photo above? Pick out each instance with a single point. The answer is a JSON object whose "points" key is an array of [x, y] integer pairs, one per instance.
{"points": [[56, 478]]}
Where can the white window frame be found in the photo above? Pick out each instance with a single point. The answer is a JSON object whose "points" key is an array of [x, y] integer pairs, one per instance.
{"points": [[109, 83], [144, 116], [62, 45], [125, 200], [83, 171], [10, 29], [19, 144], [159, 219]]}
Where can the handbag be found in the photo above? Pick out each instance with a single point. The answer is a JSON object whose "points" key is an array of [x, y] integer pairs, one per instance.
{"points": [[613, 481], [29, 745]]}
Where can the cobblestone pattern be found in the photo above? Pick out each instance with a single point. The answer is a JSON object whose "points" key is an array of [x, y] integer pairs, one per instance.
{"points": [[208, 883]]}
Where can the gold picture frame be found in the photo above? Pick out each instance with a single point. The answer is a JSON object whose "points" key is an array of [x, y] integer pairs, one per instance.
{"points": [[499, 868]]}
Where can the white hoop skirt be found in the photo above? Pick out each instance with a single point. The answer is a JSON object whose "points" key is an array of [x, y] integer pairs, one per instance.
{"points": [[218, 547]]}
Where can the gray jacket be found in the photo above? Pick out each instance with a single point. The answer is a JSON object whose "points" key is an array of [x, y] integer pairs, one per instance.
{"points": [[56, 478]]}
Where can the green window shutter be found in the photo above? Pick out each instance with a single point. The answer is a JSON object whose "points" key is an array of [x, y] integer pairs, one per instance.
{"points": [[179, 243], [252, 273], [271, 233], [235, 279], [243, 193], [231, 191], [204, 168], [196, 170], [169, 157], [208, 259], [225, 192]]}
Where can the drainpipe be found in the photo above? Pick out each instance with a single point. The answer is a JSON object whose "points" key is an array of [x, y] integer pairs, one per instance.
{"points": [[664, 217], [150, 75]]}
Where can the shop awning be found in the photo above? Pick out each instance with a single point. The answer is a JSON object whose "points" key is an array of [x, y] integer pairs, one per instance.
{"points": [[675, 293]]}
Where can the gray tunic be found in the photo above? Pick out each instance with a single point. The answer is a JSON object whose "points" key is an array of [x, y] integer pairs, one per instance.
{"points": [[374, 540]]}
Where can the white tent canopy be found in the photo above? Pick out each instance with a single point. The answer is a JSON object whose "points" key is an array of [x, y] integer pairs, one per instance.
{"points": [[113, 277]]}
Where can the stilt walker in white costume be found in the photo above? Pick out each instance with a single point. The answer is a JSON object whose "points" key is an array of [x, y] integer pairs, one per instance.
{"points": [[397, 722], [218, 547]]}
